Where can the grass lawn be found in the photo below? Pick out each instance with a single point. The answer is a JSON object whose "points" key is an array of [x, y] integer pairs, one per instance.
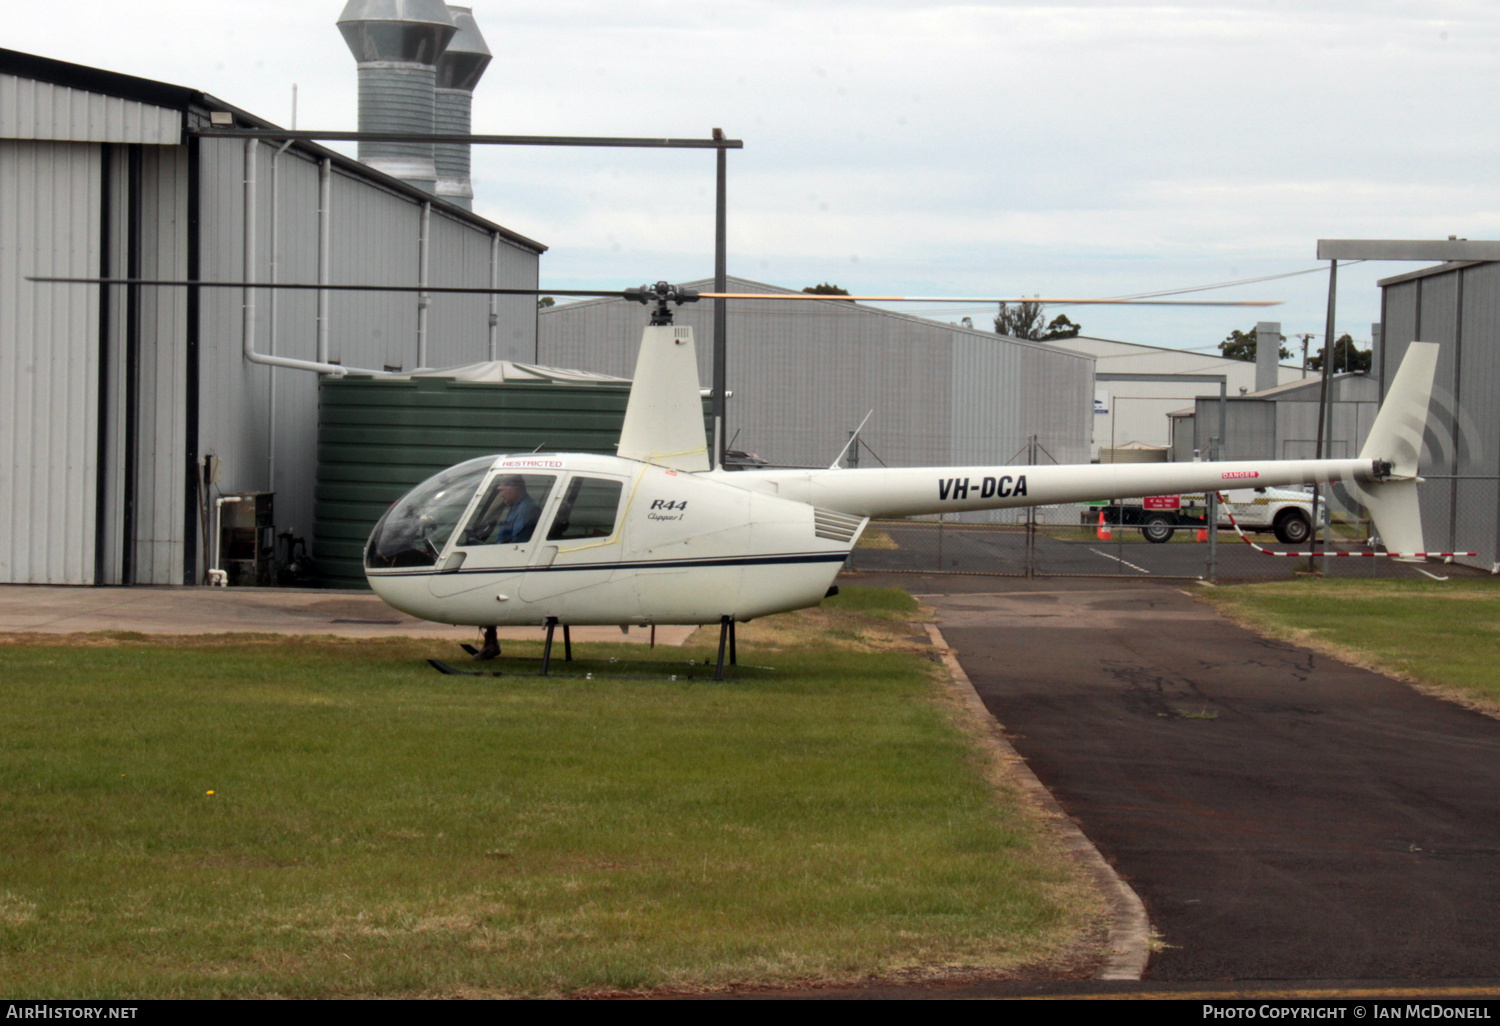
{"points": [[238, 816], [1442, 634]]}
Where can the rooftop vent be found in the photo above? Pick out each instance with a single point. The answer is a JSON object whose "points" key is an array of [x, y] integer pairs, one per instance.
{"points": [[458, 71], [397, 44]]}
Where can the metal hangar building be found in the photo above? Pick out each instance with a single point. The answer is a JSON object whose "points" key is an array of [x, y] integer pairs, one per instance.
{"points": [[1136, 412], [1457, 305], [112, 398]]}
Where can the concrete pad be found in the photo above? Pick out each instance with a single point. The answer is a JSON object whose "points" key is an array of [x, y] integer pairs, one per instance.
{"points": [[45, 609]]}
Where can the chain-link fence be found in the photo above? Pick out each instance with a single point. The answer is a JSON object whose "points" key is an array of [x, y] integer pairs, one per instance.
{"points": [[1124, 540]]}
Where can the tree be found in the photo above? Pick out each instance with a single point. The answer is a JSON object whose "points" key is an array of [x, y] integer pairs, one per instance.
{"points": [[826, 289], [1060, 327], [1346, 356], [544, 302], [1027, 320], [1024, 320], [1240, 345]]}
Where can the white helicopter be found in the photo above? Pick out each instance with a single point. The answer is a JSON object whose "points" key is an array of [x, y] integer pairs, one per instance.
{"points": [[653, 535]]}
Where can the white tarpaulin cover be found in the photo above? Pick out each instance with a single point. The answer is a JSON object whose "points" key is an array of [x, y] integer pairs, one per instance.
{"points": [[501, 371]]}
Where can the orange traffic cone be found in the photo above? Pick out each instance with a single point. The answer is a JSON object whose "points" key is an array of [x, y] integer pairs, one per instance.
{"points": [[1103, 527], [1203, 534]]}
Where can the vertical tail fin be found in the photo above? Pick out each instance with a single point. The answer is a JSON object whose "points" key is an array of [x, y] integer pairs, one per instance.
{"points": [[664, 418], [1396, 439]]}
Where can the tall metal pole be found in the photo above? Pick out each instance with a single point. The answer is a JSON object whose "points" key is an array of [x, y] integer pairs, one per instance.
{"points": [[721, 284], [1031, 513], [1215, 453], [1325, 425]]}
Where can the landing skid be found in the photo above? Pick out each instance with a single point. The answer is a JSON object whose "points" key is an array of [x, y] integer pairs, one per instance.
{"points": [[726, 641]]}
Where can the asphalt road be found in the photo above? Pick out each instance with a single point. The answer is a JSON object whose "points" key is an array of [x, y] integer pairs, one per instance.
{"points": [[1282, 815]]}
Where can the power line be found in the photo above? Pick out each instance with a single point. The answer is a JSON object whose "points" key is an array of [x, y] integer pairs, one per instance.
{"points": [[1231, 284], [1179, 291]]}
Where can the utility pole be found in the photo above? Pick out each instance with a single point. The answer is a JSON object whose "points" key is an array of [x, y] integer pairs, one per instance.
{"points": [[1305, 336]]}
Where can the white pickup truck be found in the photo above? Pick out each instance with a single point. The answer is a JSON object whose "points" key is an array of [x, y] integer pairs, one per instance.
{"points": [[1288, 512]]}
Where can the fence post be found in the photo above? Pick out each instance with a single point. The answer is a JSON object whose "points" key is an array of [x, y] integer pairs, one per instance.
{"points": [[1031, 516], [1213, 518]]}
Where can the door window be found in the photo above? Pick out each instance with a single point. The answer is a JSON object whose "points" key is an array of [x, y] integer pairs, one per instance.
{"points": [[509, 511], [588, 510]]}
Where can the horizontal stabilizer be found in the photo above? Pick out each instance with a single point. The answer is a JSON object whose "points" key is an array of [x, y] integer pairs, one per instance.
{"points": [[1394, 508]]}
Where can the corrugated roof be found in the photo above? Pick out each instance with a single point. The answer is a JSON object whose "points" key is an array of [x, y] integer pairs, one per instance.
{"points": [[199, 104], [1429, 272]]}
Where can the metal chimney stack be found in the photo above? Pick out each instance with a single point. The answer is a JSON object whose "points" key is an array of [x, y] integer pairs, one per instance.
{"points": [[397, 44], [458, 71]]}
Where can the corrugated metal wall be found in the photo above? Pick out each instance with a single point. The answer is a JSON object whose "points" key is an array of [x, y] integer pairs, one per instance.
{"points": [[1003, 393], [375, 241], [234, 393], [161, 402], [290, 320], [1457, 307], [1139, 411], [1284, 425], [375, 238], [111, 565], [516, 327], [53, 197], [458, 326], [42, 110], [1355, 405], [50, 199], [805, 374], [1479, 423]]}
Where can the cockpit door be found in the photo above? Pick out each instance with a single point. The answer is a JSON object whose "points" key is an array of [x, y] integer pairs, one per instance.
{"points": [[582, 542], [501, 533]]}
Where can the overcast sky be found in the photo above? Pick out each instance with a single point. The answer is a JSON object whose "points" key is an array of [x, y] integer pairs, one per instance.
{"points": [[925, 148]]}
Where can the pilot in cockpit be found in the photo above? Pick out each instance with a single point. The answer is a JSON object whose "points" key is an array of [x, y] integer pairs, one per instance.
{"points": [[509, 515]]}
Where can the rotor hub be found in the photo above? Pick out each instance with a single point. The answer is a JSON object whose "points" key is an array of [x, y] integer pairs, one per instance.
{"points": [[663, 294]]}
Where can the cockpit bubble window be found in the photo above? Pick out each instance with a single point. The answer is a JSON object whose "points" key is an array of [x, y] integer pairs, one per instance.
{"points": [[509, 511], [415, 529], [588, 509]]}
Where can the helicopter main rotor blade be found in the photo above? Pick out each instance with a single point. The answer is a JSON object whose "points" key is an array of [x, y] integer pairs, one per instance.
{"points": [[640, 295], [182, 283], [1045, 300]]}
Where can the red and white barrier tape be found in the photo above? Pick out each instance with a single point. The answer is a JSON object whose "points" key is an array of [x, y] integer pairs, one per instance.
{"points": [[1371, 555]]}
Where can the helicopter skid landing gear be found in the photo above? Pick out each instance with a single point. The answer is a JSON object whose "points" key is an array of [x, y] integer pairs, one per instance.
{"points": [[726, 633], [491, 649], [727, 645], [547, 649]]}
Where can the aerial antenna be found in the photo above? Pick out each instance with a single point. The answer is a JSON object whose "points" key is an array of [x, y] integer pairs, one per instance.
{"points": [[853, 437]]}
